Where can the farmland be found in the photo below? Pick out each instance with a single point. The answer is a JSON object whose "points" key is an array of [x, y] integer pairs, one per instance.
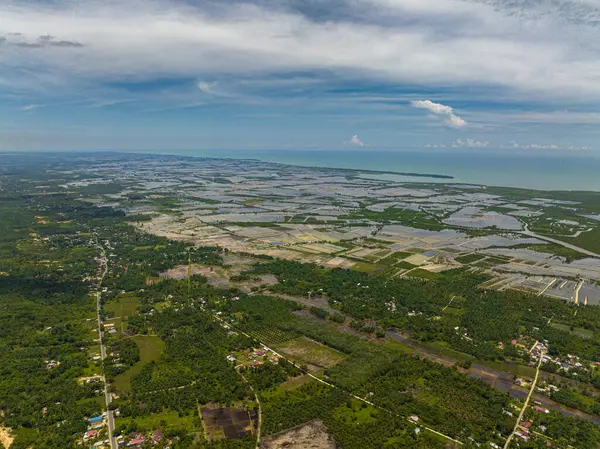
{"points": [[340, 309]]}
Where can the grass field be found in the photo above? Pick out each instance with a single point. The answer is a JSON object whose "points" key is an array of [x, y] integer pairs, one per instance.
{"points": [[468, 258], [305, 350], [405, 265], [151, 348], [420, 273], [579, 331], [441, 348], [99, 400], [365, 267], [169, 420], [587, 240], [554, 248], [124, 305], [356, 412], [295, 382], [490, 262]]}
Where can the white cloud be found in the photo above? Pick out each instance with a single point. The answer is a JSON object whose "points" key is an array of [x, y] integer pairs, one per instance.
{"points": [[355, 140], [535, 146], [31, 107], [547, 146], [435, 108], [440, 111], [207, 88], [470, 143], [434, 43]]}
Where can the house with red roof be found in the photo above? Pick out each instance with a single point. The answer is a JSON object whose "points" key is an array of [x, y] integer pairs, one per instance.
{"points": [[158, 435], [90, 434], [137, 440]]}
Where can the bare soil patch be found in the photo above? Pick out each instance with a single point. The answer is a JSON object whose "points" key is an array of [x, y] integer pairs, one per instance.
{"points": [[225, 422], [312, 435], [5, 437]]}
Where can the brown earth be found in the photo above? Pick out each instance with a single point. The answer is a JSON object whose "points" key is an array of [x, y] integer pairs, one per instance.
{"points": [[312, 435]]}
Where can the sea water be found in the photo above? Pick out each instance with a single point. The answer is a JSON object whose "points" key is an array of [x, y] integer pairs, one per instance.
{"points": [[534, 171]]}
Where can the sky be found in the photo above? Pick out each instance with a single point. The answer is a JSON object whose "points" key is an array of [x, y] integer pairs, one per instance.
{"points": [[478, 75]]}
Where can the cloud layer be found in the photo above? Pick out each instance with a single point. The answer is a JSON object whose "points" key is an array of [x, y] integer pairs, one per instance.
{"points": [[445, 42], [506, 67]]}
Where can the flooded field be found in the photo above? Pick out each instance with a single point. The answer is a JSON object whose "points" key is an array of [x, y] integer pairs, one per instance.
{"points": [[474, 217]]}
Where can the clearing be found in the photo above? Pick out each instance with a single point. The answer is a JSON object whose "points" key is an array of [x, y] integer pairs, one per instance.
{"points": [[313, 435], [305, 350], [151, 348], [6, 438], [225, 422], [124, 305], [167, 420]]}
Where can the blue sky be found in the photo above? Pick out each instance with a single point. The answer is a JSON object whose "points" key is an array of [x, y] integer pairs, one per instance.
{"points": [[320, 74]]}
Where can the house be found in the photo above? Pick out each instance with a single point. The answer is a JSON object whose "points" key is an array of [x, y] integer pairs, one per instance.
{"points": [[90, 434], [96, 425], [52, 364], [158, 435], [137, 440], [541, 409], [95, 419], [414, 418]]}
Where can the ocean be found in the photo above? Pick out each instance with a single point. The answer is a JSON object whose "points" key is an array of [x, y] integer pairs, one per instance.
{"points": [[531, 171]]}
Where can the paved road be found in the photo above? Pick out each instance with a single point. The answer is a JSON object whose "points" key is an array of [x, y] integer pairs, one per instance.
{"points": [[500, 380], [318, 379], [107, 396], [520, 418], [110, 418], [558, 242]]}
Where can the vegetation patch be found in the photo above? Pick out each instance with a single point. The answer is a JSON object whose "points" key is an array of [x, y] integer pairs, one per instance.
{"points": [[469, 258], [424, 274], [151, 348], [579, 331], [365, 267], [167, 421], [305, 350], [124, 305]]}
